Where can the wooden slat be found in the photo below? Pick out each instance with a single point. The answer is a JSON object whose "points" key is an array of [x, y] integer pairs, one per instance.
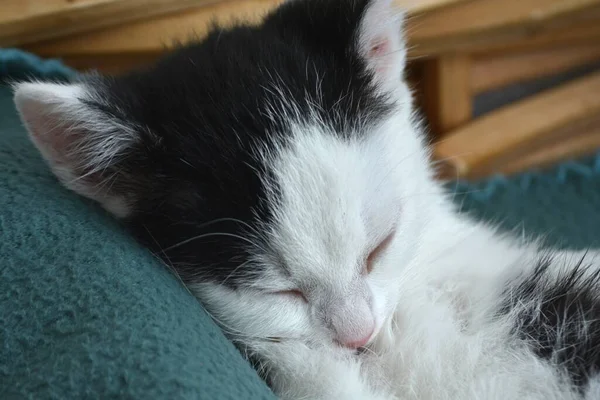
{"points": [[541, 150], [582, 143], [573, 142], [419, 6], [480, 144], [154, 35], [584, 32], [25, 21], [483, 24], [446, 97], [479, 16], [492, 72]]}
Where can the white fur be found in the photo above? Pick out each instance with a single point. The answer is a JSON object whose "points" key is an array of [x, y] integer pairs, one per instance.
{"points": [[430, 294]]}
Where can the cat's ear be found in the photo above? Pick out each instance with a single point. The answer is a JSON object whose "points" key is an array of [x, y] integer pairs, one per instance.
{"points": [[381, 43], [79, 140]]}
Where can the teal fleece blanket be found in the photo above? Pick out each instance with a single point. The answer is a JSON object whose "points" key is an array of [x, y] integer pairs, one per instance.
{"points": [[86, 313]]}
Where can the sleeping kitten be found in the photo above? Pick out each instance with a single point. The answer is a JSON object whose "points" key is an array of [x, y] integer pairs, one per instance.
{"points": [[280, 171]]}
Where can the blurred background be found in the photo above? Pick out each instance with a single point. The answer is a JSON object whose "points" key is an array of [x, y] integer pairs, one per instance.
{"points": [[504, 85]]}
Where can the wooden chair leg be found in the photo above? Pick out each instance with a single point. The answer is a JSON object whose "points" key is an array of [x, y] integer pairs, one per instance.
{"points": [[446, 85]]}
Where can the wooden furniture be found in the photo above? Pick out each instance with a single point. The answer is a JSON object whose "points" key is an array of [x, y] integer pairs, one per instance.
{"points": [[458, 49], [473, 47], [513, 137]]}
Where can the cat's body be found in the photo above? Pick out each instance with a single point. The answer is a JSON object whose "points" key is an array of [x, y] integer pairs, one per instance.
{"points": [[280, 171]]}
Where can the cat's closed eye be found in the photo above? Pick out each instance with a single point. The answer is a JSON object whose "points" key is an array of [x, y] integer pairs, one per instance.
{"points": [[377, 252], [295, 293]]}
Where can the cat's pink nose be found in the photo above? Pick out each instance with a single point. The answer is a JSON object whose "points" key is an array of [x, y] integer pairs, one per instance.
{"points": [[356, 343]]}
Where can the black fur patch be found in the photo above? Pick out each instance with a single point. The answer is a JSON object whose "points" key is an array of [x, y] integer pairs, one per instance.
{"points": [[205, 110], [559, 316]]}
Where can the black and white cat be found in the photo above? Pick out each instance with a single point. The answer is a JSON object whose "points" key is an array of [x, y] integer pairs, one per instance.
{"points": [[280, 170]]}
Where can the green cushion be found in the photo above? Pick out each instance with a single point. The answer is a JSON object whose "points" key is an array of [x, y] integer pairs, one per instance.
{"points": [[85, 312]]}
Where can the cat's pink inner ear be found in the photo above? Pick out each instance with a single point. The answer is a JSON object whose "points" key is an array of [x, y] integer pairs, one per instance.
{"points": [[381, 43], [45, 110], [77, 142], [379, 47]]}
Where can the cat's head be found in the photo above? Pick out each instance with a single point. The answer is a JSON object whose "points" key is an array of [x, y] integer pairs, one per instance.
{"points": [[277, 168]]}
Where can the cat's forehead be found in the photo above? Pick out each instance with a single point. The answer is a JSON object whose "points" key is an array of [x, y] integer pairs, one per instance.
{"points": [[335, 198]]}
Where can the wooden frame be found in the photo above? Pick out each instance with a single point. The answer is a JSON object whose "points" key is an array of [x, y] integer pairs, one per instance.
{"points": [[500, 138], [496, 71]]}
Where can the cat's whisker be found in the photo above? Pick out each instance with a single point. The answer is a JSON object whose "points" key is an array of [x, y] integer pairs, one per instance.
{"points": [[230, 331], [408, 157], [454, 157], [394, 168], [437, 194], [212, 234], [367, 349], [249, 227], [236, 269], [237, 335], [167, 263]]}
